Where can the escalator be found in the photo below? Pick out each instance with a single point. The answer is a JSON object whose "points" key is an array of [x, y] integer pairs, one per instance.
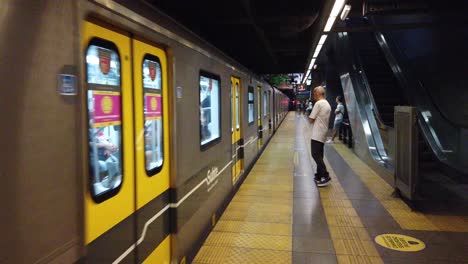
{"points": [[377, 83], [384, 87]]}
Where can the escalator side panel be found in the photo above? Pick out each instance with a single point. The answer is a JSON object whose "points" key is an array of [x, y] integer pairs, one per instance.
{"points": [[366, 143]]}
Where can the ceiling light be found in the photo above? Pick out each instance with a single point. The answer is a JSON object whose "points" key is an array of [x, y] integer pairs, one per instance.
{"points": [[329, 24], [311, 64], [345, 12], [317, 50], [315, 66], [322, 39], [337, 7]]}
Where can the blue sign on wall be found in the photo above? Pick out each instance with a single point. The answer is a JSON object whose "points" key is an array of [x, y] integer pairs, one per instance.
{"points": [[67, 84]]}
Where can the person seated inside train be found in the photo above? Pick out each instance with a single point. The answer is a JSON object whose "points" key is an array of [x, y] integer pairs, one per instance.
{"points": [[106, 162], [151, 150]]}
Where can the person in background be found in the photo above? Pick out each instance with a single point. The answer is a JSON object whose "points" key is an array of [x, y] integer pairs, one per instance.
{"points": [[309, 107], [319, 118], [339, 113]]}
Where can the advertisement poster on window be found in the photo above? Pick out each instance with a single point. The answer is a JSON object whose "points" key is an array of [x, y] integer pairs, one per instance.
{"points": [[106, 108], [153, 106]]}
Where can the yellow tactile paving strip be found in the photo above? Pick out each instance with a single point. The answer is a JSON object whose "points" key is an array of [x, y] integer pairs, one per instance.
{"points": [[401, 213], [257, 225], [351, 240]]}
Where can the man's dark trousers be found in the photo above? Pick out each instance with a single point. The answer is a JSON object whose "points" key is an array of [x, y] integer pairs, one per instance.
{"points": [[317, 154]]}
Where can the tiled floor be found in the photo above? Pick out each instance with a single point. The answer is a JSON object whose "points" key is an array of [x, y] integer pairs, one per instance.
{"points": [[280, 216], [257, 225]]}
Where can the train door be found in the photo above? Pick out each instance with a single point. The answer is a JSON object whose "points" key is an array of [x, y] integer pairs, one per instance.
{"points": [[259, 117], [236, 108], [119, 203], [152, 139]]}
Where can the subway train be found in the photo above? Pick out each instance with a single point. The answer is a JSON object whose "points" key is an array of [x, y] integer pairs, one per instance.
{"points": [[128, 133]]}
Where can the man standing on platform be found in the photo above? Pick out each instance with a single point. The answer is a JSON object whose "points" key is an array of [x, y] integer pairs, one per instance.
{"points": [[319, 118]]}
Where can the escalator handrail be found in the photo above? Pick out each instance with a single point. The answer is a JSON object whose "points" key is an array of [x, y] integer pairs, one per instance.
{"points": [[427, 130], [404, 77], [424, 121], [375, 110], [356, 65]]}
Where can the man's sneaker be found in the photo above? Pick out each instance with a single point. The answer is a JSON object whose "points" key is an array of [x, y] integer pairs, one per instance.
{"points": [[324, 182], [329, 141], [317, 178]]}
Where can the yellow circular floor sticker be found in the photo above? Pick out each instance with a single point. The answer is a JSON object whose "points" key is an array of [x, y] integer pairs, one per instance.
{"points": [[400, 242]]}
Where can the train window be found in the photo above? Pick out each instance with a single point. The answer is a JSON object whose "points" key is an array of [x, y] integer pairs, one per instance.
{"points": [[153, 123], [259, 108], [265, 104], [251, 104], [104, 119], [210, 109]]}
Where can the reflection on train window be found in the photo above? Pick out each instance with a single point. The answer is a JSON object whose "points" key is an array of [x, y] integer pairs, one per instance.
{"points": [[237, 107], [251, 104], [153, 125], [209, 108], [104, 116], [265, 104], [102, 66]]}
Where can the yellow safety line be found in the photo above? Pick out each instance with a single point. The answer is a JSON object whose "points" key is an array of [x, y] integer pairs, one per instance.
{"points": [[401, 213], [351, 240]]}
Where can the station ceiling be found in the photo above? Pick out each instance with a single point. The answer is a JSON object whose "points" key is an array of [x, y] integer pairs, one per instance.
{"points": [[279, 36], [267, 36]]}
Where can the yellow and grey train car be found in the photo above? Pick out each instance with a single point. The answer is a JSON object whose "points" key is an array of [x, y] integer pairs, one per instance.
{"points": [[127, 134]]}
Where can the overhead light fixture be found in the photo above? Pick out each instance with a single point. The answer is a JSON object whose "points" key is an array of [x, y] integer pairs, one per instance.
{"points": [[337, 8], [317, 50], [315, 66], [345, 12], [311, 64], [322, 39], [305, 76], [329, 24]]}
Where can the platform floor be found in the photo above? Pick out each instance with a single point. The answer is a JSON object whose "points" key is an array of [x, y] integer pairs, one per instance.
{"points": [[280, 216]]}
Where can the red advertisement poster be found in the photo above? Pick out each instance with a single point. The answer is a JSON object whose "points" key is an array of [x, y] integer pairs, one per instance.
{"points": [[153, 106], [106, 108]]}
